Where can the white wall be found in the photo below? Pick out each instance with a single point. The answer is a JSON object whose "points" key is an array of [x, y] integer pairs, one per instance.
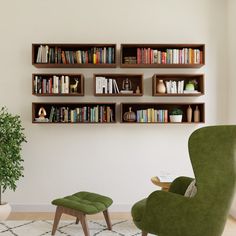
{"points": [[231, 73], [231, 60], [115, 160]]}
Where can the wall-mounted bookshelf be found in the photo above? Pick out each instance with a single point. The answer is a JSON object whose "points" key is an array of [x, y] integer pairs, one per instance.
{"points": [[175, 84], [118, 84], [74, 55], [162, 55], [73, 113], [158, 113], [58, 84]]}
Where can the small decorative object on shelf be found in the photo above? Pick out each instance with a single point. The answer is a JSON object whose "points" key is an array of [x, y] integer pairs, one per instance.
{"points": [[137, 90], [42, 113], [189, 114], [176, 115], [161, 88], [74, 87], [129, 116], [191, 87], [126, 86], [196, 115]]}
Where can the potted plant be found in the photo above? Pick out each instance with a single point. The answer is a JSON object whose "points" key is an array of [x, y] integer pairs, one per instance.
{"points": [[176, 115], [11, 169], [191, 85]]}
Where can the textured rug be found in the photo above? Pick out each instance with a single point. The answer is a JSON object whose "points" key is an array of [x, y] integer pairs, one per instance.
{"points": [[66, 228]]}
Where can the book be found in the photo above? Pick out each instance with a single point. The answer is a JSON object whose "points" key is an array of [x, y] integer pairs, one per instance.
{"points": [[126, 91], [191, 91]]}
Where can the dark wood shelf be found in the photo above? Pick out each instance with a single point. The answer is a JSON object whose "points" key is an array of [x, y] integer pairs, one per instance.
{"points": [[45, 83], [134, 81], [199, 78], [163, 106], [75, 113], [98, 61], [129, 52]]}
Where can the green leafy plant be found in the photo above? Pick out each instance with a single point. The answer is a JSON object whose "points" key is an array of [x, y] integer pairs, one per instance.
{"points": [[194, 83], [11, 139], [176, 111]]}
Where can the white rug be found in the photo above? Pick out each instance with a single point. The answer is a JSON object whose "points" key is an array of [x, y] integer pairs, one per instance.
{"points": [[67, 228]]}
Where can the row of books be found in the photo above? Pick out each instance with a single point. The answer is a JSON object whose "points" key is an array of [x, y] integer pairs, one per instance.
{"points": [[57, 55], [86, 114], [174, 86], [53, 85], [169, 56], [106, 85], [151, 115]]}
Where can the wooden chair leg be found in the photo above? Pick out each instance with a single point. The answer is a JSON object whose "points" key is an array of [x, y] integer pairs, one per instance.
{"points": [[77, 220], [107, 218], [144, 233], [56, 219], [84, 225]]}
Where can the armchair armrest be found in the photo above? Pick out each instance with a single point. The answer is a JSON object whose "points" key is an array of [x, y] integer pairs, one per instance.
{"points": [[180, 184], [170, 207]]}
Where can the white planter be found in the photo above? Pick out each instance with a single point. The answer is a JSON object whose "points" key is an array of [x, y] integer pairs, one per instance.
{"points": [[5, 210], [176, 118]]}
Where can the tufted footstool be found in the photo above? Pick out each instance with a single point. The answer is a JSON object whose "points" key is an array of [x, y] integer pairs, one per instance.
{"points": [[79, 205]]}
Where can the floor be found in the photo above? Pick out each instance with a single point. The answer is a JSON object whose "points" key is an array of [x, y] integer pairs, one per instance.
{"points": [[230, 228]]}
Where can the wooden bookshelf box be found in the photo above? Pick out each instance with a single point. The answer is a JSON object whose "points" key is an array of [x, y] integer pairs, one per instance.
{"points": [[145, 112], [177, 89], [162, 55], [58, 84], [118, 84], [73, 113], [74, 55]]}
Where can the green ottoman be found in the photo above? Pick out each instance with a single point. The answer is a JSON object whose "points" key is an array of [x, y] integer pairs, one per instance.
{"points": [[79, 205]]}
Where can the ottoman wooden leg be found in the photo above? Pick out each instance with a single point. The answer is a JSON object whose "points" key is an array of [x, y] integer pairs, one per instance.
{"points": [[84, 224], [107, 218], [56, 219]]}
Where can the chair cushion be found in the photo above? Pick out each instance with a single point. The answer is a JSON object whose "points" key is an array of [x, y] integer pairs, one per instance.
{"points": [[191, 190], [86, 202]]}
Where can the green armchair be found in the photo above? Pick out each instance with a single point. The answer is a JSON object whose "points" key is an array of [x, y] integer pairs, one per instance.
{"points": [[213, 156]]}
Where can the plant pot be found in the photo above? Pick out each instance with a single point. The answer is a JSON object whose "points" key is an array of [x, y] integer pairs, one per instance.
{"points": [[176, 118], [5, 210]]}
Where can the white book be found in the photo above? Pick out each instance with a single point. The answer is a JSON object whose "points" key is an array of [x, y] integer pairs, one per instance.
{"points": [[191, 91], [182, 87], [99, 84], [166, 177], [168, 86], [46, 53], [104, 85], [116, 86], [110, 86], [39, 55], [179, 87], [62, 82], [55, 84], [66, 84]]}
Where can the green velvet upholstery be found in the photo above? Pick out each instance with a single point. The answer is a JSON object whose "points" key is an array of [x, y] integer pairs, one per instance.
{"points": [[86, 202], [212, 152]]}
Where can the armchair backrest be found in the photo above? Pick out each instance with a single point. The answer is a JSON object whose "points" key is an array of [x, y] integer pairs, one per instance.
{"points": [[213, 155]]}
